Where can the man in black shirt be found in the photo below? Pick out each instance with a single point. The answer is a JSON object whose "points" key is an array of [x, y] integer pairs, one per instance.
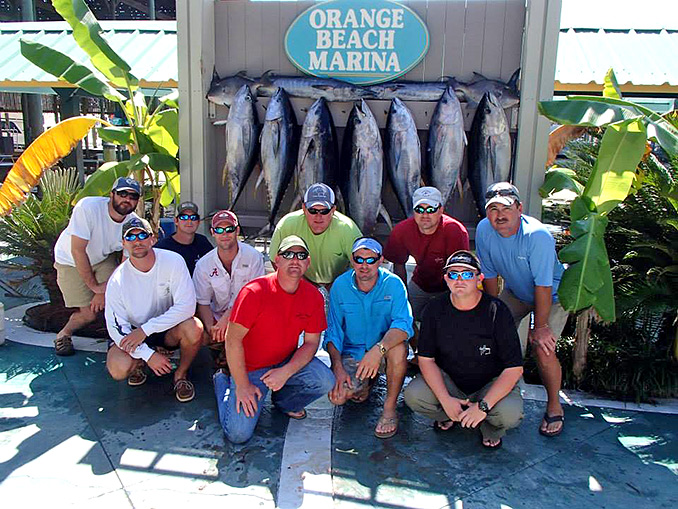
{"points": [[190, 245], [469, 356]]}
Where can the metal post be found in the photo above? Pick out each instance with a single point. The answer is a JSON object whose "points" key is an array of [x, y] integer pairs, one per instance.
{"points": [[70, 107], [151, 9], [31, 104]]}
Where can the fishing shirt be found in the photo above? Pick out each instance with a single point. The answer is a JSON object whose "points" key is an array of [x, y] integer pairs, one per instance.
{"points": [[357, 321], [330, 251], [524, 260]]}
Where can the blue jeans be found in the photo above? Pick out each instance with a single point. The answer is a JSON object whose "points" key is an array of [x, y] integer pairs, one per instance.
{"points": [[305, 386]]}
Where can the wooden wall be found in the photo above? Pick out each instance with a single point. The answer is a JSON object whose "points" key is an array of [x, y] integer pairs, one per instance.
{"points": [[467, 36]]}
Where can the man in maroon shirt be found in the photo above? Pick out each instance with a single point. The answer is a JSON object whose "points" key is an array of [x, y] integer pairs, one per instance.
{"points": [[430, 236]]}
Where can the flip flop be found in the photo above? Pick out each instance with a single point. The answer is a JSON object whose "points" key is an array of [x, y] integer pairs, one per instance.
{"points": [[438, 425], [386, 420], [296, 416], [550, 419], [490, 447]]}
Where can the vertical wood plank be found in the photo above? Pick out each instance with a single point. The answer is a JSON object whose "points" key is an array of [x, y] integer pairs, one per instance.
{"points": [[513, 37], [474, 33], [417, 73], [235, 19], [254, 49], [288, 12], [221, 56], [435, 20], [493, 39], [453, 37], [270, 38]]}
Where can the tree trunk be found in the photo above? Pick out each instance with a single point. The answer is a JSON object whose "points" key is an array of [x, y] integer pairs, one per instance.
{"points": [[581, 343]]}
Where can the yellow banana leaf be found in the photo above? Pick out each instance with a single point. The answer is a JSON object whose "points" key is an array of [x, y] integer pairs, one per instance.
{"points": [[47, 149]]}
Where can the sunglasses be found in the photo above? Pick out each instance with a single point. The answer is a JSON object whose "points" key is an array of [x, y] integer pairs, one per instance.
{"points": [[464, 276], [220, 229], [300, 255], [127, 194], [420, 209], [131, 237], [369, 261], [500, 192], [323, 212], [192, 217]]}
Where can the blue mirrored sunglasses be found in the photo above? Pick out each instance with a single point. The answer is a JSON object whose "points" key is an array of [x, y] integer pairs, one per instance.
{"points": [[369, 261], [131, 237], [192, 217], [228, 229], [464, 276], [420, 209]]}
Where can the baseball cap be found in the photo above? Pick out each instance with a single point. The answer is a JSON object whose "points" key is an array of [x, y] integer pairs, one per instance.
{"points": [[502, 192], [187, 205], [464, 258], [126, 184], [319, 194], [222, 216], [367, 243], [291, 241], [136, 223], [428, 195]]}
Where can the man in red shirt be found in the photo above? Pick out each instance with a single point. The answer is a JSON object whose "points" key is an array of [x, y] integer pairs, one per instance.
{"points": [[430, 236], [262, 350]]}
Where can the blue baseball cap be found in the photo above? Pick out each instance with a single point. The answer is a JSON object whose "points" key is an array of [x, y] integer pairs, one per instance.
{"points": [[319, 194], [367, 243], [126, 184]]}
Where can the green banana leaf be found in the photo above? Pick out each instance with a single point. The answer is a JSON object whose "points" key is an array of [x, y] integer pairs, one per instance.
{"points": [[588, 279], [163, 130], [170, 189], [160, 162], [65, 68], [558, 179], [87, 33], [136, 108], [621, 149], [171, 99], [123, 136], [585, 113], [101, 181], [610, 86]]}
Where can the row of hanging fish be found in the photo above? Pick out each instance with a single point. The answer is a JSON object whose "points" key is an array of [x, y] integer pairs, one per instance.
{"points": [[222, 90], [311, 154]]}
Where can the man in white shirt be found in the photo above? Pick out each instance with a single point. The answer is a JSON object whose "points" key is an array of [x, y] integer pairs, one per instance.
{"points": [[221, 273], [88, 251], [150, 303]]}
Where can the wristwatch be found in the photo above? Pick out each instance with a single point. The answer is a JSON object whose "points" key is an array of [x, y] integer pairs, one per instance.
{"points": [[382, 348], [484, 407]]}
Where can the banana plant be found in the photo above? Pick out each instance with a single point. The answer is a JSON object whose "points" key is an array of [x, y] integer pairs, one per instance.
{"points": [[151, 135], [628, 127]]}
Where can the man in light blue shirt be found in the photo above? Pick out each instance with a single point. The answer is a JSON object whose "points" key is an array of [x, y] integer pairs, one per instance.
{"points": [[522, 251], [370, 320]]}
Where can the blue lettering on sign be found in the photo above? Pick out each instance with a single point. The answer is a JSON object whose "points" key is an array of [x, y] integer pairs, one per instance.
{"points": [[360, 41]]}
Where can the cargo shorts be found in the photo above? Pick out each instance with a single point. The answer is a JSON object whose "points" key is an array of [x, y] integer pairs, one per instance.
{"points": [[76, 293]]}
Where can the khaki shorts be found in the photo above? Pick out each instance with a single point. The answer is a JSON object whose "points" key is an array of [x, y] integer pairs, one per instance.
{"points": [[76, 293], [351, 367], [519, 310]]}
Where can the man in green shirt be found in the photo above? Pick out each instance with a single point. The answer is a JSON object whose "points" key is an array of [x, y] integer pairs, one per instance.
{"points": [[328, 233]]}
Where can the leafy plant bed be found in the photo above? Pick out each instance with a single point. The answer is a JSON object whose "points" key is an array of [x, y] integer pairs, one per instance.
{"points": [[622, 363], [51, 318]]}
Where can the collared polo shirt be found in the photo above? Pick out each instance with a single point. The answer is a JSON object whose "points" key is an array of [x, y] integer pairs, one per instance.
{"points": [[215, 287], [357, 321]]}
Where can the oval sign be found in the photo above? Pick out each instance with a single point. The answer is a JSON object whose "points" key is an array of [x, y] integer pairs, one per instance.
{"points": [[358, 41]]}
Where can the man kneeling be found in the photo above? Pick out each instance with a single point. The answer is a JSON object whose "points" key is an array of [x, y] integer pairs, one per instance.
{"points": [[469, 356], [150, 301], [263, 332], [370, 319]]}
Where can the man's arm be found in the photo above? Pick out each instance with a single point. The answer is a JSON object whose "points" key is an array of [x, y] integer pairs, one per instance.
{"points": [[368, 367], [277, 377], [434, 378], [247, 395], [120, 329], [205, 315], [400, 270], [341, 377], [491, 286], [83, 266], [504, 383], [542, 334]]}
